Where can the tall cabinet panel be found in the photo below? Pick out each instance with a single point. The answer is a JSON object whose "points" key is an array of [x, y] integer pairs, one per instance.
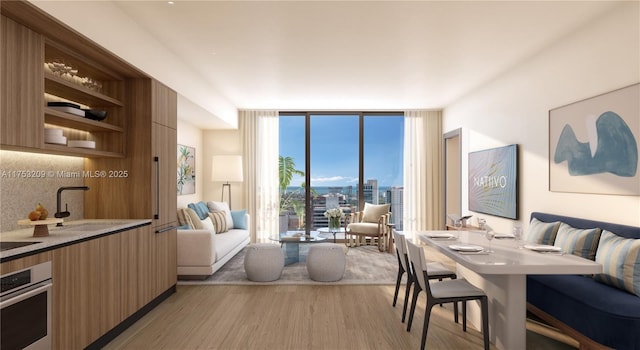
{"points": [[21, 99]]}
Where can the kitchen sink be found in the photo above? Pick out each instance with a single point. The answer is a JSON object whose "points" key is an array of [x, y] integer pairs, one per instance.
{"points": [[11, 245]]}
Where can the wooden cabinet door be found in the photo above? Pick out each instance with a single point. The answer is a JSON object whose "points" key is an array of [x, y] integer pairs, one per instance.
{"points": [[164, 109], [77, 289], [166, 259], [22, 86], [164, 175]]}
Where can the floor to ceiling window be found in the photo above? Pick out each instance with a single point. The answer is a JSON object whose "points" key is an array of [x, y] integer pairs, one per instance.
{"points": [[341, 160]]}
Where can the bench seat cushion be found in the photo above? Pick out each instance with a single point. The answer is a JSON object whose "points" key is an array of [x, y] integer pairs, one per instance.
{"points": [[603, 313]]}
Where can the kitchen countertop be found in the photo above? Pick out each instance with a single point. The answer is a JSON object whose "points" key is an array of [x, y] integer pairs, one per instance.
{"points": [[78, 230]]}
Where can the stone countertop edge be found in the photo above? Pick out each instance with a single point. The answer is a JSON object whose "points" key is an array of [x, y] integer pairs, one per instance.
{"points": [[64, 237]]}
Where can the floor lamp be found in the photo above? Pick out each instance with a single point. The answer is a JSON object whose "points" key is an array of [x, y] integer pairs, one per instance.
{"points": [[226, 169]]}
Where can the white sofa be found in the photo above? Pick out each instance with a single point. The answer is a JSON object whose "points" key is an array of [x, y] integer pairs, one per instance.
{"points": [[202, 252]]}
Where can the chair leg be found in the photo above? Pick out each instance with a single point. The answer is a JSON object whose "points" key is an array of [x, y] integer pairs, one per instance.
{"points": [[425, 327], [464, 315], [414, 300], [485, 321], [455, 311], [398, 280], [406, 295]]}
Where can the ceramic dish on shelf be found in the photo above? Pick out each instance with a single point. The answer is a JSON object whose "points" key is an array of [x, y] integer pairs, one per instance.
{"points": [[81, 144], [95, 114], [466, 248], [58, 140], [543, 248]]}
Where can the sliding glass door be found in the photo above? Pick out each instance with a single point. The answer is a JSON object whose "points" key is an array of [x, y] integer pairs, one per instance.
{"points": [[330, 160]]}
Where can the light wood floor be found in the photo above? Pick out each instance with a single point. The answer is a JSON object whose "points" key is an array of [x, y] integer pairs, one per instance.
{"points": [[295, 317]]}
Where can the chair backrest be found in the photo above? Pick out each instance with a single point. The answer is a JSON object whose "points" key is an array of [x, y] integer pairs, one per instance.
{"points": [[416, 256], [401, 248]]}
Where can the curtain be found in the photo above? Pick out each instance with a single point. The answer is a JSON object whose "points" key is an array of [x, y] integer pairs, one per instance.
{"points": [[259, 132], [423, 182]]}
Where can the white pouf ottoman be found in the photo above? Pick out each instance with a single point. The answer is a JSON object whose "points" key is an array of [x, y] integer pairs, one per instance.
{"points": [[326, 262], [263, 262]]}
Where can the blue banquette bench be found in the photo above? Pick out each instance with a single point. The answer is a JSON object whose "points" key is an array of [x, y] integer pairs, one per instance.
{"points": [[596, 314]]}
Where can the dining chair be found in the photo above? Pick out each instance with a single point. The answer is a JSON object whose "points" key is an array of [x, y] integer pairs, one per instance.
{"points": [[436, 271], [451, 291]]}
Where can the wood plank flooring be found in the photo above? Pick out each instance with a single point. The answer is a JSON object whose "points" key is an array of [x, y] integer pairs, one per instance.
{"points": [[295, 317]]}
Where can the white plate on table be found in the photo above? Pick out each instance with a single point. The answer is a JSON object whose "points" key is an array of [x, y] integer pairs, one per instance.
{"points": [[466, 248], [504, 235], [543, 248], [440, 235]]}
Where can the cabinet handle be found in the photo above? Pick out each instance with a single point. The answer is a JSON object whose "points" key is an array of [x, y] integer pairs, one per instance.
{"points": [[157, 214], [168, 228]]}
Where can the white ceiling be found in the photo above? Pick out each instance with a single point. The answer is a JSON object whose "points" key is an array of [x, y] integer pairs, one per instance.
{"points": [[323, 55]]}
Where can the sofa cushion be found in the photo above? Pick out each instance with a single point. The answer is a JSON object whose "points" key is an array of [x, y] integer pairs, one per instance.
{"points": [[607, 315], [225, 242], [542, 232], [200, 208], [221, 206], [191, 218], [580, 242], [219, 221], [620, 259], [239, 219], [373, 212]]}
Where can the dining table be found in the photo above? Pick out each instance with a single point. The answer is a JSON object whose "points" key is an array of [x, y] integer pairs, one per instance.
{"points": [[502, 275]]}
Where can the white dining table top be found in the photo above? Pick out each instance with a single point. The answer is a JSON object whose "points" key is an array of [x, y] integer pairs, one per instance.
{"points": [[506, 259]]}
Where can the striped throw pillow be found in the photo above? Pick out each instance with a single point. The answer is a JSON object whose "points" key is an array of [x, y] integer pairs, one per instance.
{"points": [[620, 259], [542, 232], [219, 219], [580, 242]]}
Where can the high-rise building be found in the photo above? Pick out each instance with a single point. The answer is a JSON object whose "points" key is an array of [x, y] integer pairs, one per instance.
{"points": [[395, 196], [373, 184]]}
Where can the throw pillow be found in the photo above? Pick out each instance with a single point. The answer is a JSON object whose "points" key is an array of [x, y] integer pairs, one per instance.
{"points": [[207, 224], [239, 219], [372, 212], [542, 232], [620, 259], [191, 218], [200, 208], [220, 206], [184, 218], [219, 221], [184, 227], [580, 242]]}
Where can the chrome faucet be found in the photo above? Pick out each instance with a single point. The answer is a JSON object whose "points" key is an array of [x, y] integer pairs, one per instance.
{"points": [[66, 212]]}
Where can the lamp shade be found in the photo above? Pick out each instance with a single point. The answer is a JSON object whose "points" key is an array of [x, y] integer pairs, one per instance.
{"points": [[226, 168]]}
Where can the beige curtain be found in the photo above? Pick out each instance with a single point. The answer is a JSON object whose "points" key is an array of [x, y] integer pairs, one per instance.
{"points": [[259, 130], [423, 183]]}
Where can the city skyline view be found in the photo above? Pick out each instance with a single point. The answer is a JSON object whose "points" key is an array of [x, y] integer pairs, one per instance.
{"points": [[334, 149]]}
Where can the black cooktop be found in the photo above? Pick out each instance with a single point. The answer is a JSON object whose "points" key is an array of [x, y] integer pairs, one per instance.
{"points": [[12, 245]]}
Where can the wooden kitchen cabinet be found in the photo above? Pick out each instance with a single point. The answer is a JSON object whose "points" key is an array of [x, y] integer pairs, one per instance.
{"points": [[21, 110]]}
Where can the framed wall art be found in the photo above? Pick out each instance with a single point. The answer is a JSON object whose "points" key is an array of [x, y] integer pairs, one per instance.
{"points": [[493, 181], [593, 144], [186, 170]]}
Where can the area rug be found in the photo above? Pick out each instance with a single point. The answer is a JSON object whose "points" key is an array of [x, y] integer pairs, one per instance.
{"points": [[365, 265]]}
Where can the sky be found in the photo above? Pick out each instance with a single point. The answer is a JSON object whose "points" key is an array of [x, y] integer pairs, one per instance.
{"points": [[334, 148]]}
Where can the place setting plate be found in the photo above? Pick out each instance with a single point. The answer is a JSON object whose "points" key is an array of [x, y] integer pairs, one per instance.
{"points": [[440, 235], [543, 248], [465, 248]]}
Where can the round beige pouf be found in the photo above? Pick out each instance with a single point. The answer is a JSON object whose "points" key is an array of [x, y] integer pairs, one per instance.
{"points": [[263, 262], [326, 262]]}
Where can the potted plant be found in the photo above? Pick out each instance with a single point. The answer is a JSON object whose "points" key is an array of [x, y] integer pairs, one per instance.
{"points": [[286, 171]]}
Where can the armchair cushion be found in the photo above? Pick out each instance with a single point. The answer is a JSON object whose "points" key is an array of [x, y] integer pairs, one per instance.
{"points": [[366, 228], [373, 212]]}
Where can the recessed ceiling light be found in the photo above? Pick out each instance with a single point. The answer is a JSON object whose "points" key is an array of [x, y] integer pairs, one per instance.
{"points": [[170, 2]]}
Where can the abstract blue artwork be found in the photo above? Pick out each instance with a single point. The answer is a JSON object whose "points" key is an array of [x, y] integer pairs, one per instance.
{"points": [[594, 144]]}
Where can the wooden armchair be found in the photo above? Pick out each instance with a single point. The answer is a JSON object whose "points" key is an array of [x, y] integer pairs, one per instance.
{"points": [[369, 223]]}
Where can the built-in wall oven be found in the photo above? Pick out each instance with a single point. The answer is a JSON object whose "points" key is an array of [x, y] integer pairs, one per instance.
{"points": [[25, 308]]}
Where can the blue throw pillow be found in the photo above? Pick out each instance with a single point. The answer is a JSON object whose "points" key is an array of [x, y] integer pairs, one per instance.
{"points": [[184, 227], [200, 208], [239, 219]]}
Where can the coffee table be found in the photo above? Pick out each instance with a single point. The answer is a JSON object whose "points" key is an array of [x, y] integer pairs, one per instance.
{"points": [[290, 242]]}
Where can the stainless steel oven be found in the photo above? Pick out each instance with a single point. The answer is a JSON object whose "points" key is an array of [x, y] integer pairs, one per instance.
{"points": [[25, 308]]}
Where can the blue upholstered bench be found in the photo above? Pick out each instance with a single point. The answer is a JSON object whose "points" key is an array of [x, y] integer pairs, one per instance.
{"points": [[596, 314]]}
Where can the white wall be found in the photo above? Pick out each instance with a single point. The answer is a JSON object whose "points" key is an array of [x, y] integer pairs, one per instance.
{"points": [[189, 135], [600, 57]]}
